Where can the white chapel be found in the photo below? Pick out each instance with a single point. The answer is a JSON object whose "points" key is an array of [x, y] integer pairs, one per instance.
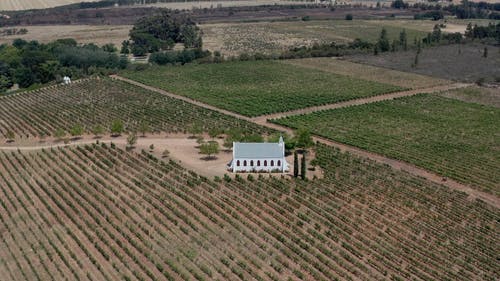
{"points": [[258, 157]]}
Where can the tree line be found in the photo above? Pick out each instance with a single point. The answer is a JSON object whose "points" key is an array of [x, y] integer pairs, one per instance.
{"points": [[28, 63]]}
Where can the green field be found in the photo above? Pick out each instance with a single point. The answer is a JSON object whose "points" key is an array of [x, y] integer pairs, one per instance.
{"points": [[258, 87], [450, 137]]}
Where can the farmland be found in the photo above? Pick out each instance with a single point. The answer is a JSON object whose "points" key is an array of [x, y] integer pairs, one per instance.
{"points": [[464, 62], [15, 5], [368, 72], [274, 37], [455, 139], [93, 102], [97, 34], [258, 87], [476, 94], [98, 212]]}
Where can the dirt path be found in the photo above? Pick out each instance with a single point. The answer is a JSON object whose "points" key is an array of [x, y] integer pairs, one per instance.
{"points": [[436, 89]]}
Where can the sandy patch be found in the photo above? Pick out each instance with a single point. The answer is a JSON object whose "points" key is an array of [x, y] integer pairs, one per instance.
{"points": [[182, 149], [99, 35], [15, 5]]}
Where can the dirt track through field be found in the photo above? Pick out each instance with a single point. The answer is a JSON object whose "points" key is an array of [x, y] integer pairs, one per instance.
{"points": [[436, 89], [396, 164]]}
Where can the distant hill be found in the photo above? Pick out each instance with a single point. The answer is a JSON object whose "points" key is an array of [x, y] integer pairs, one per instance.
{"points": [[16, 5]]}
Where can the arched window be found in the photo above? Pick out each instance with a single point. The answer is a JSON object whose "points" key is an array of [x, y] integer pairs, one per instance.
{"points": [[251, 163], [265, 163], [244, 163], [272, 163], [258, 162], [238, 163], [279, 163]]}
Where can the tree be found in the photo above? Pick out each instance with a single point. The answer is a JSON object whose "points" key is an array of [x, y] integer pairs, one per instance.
{"points": [[383, 41], [348, 17], [415, 62], [399, 4], [60, 134], [10, 136], [394, 46], [131, 140], [125, 47], [117, 127], [289, 141], [161, 32], [210, 148], [98, 130], [195, 129], [403, 40], [76, 131], [304, 138], [436, 34], [165, 153], [295, 164], [144, 128], [110, 48], [303, 167], [214, 132]]}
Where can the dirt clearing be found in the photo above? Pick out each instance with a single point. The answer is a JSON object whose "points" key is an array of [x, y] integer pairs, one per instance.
{"points": [[99, 35], [16, 5]]}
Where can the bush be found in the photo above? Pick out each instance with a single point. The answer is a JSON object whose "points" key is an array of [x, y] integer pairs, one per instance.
{"points": [[348, 17]]}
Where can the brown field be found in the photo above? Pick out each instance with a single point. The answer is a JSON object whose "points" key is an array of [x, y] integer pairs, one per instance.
{"points": [[463, 62], [16, 5], [221, 4], [476, 94], [99, 35], [276, 36], [368, 72]]}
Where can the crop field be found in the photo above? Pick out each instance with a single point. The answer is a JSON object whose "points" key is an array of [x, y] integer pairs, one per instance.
{"points": [[274, 37], [95, 102], [464, 62], [97, 212], [258, 87], [15, 5], [452, 138], [368, 72], [84, 34], [476, 94]]}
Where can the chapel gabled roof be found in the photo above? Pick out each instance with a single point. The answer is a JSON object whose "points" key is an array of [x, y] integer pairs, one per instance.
{"points": [[258, 150]]}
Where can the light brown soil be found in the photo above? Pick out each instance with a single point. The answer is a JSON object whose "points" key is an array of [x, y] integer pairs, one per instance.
{"points": [[16, 5], [84, 34], [396, 164], [182, 149]]}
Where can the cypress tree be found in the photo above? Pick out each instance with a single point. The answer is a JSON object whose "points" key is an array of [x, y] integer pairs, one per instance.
{"points": [[295, 164], [303, 168]]}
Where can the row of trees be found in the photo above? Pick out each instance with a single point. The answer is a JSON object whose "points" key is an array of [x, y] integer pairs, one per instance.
{"points": [[27, 63], [465, 10]]}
